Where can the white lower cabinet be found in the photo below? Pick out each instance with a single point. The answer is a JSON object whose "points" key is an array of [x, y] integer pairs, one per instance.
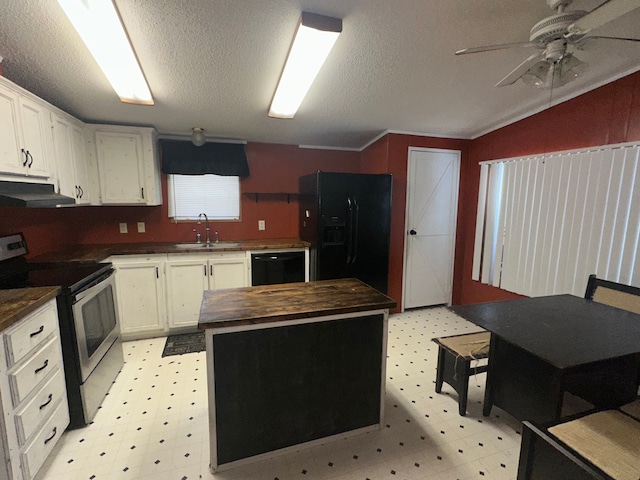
{"points": [[189, 275], [158, 294], [140, 294], [33, 394]]}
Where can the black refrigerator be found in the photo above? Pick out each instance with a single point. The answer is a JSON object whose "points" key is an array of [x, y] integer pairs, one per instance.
{"points": [[347, 219]]}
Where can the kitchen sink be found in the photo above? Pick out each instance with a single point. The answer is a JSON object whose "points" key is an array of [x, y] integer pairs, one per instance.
{"points": [[207, 246]]}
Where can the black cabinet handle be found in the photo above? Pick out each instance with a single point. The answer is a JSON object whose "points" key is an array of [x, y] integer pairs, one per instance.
{"points": [[47, 402], [47, 440], [142, 191], [211, 270], [157, 273], [31, 157], [26, 158], [412, 232], [81, 191], [205, 270], [37, 332], [44, 365]]}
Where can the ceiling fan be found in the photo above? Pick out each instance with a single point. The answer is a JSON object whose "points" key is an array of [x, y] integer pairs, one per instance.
{"points": [[556, 38]]}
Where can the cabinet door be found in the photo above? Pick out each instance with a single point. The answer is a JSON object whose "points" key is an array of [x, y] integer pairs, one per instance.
{"points": [[231, 273], [121, 167], [80, 165], [35, 128], [140, 294], [64, 158], [186, 281], [11, 159]]}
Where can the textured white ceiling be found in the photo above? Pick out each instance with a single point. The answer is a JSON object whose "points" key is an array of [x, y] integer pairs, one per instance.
{"points": [[215, 64]]}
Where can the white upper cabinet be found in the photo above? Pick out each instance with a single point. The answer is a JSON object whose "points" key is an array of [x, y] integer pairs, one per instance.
{"points": [[68, 139], [24, 130], [128, 168]]}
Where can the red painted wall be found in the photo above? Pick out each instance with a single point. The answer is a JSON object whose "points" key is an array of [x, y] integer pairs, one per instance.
{"points": [[390, 155], [610, 114], [273, 168], [607, 115]]}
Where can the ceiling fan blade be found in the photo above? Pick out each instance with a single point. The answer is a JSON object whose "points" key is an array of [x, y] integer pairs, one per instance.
{"points": [[520, 70], [596, 37], [605, 13], [503, 46]]}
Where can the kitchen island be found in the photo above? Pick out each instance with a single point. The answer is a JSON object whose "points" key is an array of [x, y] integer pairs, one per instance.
{"points": [[291, 365]]}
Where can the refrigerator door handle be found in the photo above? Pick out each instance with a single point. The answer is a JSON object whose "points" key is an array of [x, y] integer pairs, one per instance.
{"points": [[354, 232], [349, 230]]}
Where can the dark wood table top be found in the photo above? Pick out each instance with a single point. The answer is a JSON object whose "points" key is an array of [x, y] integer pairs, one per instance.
{"points": [[564, 330], [275, 303], [18, 303]]}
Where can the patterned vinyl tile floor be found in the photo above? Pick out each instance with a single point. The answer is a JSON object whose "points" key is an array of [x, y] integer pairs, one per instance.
{"points": [[154, 423]]}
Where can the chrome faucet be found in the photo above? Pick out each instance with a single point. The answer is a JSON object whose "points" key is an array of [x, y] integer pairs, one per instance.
{"points": [[206, 226]]}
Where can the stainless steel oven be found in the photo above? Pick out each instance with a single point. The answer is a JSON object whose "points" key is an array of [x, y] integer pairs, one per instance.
{"points": [[96, 323], [88, 318]]}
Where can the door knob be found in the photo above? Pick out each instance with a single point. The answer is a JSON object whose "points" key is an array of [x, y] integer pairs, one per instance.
{"points": [[412, 232]]}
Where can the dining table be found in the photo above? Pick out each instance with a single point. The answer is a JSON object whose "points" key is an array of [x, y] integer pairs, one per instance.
{"points": [[544, 347]]}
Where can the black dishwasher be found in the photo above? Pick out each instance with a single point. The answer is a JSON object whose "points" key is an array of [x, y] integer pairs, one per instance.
{"points": [[277, 267]]}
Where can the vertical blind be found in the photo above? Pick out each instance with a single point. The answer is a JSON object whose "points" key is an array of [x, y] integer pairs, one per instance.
{"points": [[545, 222]]}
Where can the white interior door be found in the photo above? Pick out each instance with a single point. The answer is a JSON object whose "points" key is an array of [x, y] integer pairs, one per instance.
{"points": [[432, 206]]}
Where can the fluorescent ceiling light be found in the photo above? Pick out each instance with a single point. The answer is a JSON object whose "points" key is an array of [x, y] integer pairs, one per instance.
{"points": [[312, 43], [99, 26]]}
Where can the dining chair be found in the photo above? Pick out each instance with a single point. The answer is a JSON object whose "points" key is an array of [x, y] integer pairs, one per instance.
{"points": [[455, 354], [613, 294]]}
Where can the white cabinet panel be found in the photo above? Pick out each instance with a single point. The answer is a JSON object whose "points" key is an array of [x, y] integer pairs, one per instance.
{"points": [[12, 160], [33, 396], [24, 134], [68, 139], [35, 129], [186, 281], [140, 293], [188, 276], [128, 167]]}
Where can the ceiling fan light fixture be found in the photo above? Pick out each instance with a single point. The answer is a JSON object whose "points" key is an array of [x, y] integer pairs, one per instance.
{"points": [[537, 75], [100, 28], [197, 136], [313, 40], [570, 68]]}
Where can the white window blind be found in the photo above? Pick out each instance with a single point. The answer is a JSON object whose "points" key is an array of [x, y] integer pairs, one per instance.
{"points": [[546, 222], [217, 196]]}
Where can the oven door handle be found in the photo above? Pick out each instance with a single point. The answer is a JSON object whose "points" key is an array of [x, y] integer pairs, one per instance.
{"points": [[97, 285]]}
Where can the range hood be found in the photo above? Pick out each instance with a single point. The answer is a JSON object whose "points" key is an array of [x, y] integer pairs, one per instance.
{"points": [[34, 195]]}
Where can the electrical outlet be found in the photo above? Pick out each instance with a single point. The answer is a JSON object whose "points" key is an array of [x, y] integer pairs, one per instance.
{"points": [[141, 228], [123, 228], [261, 225]]}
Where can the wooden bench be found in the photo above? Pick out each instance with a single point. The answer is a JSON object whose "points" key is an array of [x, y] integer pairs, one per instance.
{"points": [[455, 354], [604, 445]]}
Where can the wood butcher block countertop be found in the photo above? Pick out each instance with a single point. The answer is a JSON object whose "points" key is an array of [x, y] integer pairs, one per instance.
{"points": [[100, 252], [18, 303], [273, 303]]}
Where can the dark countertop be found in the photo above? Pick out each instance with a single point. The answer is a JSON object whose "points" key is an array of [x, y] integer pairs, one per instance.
{"points": [[100, 252], [16, 304], [273, 303]]}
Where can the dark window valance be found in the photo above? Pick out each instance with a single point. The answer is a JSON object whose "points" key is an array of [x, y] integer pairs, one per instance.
{"points": [[184, 158]]}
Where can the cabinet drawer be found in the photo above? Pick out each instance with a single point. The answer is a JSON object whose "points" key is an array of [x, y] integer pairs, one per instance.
{"points": [[37, 451], [32, 372], [30, 332], [40, 407]]}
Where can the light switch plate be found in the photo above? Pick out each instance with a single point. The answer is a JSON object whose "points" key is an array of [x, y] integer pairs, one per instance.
{"points": [[123, 228], [262, 225], [141, 228]]}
